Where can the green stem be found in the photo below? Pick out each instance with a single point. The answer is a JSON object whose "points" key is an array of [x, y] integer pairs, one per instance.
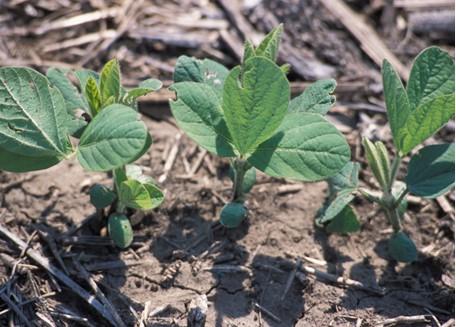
{"points": [[239, 169], [394, 170], [401, 197], [370, 197], [120, 208], [394, 218]]}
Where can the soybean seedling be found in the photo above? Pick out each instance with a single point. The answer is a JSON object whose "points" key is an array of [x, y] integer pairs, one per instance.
{"points": [[246, 115], [414, 113], [39, 120]]}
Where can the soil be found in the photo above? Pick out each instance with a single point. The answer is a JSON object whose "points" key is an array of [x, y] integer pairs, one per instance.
{"points": [[179, 249]]}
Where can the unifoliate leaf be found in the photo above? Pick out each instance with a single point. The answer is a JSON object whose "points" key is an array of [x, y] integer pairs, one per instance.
{"points": [[431, 171], [110, 80], [317, 98], [397, 103], [115, 137], [249, 51], [73, 98], [376, 164], [249, 178], [32, 115], [136, 195], [347, 177], [18, 163], [336, 205], [397, 189], [426, 120], [101, 196], [120, 231], [269, 46], [255, 102], [145, 87], [305, 147], [93, 96], [432, 76], [232, 214], [197, 112], [402, 248], [206, 71], [344, 222], [428, 103]]}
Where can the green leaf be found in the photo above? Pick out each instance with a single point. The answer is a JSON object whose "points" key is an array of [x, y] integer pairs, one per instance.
{"points": [[133, 194], [376, 163], [145, 87], [347, 177], [189, 69], [432, 76], [93, 96], [249, 178], [255, 103], [269, 46], [334, 207], [397, 103], [385, 162], [402, 248], [110, 80], [136, 195], [198, 113], [344, 222], [83, 76], [120, 231], [249, 51], [101, 196], [426, 120], [73, 100], [431, 171], [115, 137], [70, 93], [285, 68], [155, 194], [18, 163], [145, 148], [33, 115], [428, 103], [306, 147], [317, 98]]}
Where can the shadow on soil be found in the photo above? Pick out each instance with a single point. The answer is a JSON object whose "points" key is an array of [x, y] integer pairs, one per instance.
{"points": [[235, 292]]}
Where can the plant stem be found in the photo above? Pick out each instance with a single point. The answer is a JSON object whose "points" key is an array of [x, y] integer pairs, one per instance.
{"points": [[394, 218], [401, 197], [239, 168], [394, 170], [120, 208]]}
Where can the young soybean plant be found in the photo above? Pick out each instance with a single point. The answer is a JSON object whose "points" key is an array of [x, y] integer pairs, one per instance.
{"points": [[246, 115], [39, 121], [415, 113]]}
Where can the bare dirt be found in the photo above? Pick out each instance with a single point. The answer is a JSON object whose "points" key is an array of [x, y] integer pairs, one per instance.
{"points": [[180, 251]]}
